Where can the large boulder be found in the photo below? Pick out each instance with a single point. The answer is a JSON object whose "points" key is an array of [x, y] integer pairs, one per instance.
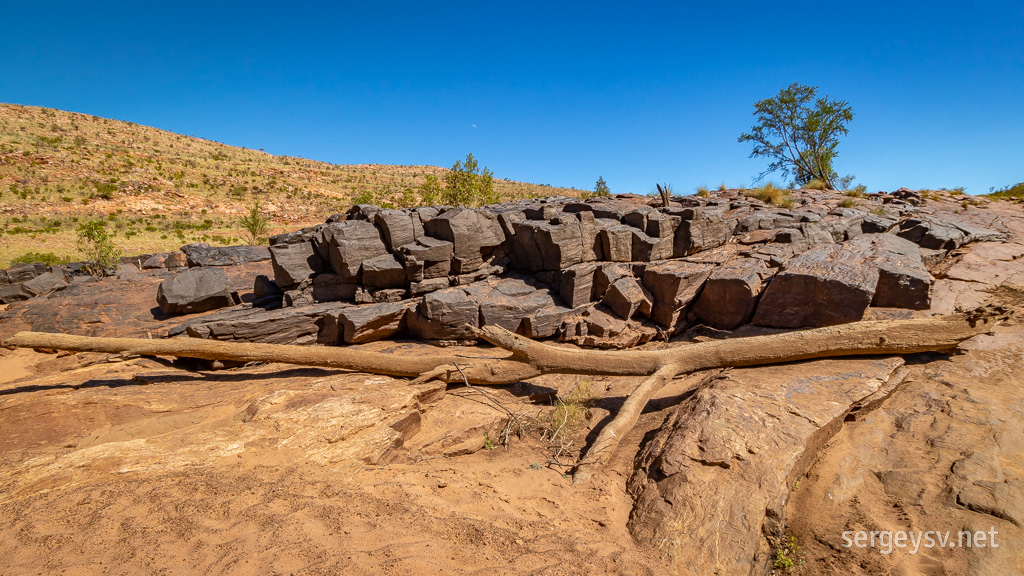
{"points": [[294, 263], [474, 234], [821, 287], [444, 314], [700, 230], [512, 301], [196, 290], [383, 271], [626, 297], [730, 294], [547, 245], [396, 227], [369, 322], [673, 286], [903, 278], [345, 245]]}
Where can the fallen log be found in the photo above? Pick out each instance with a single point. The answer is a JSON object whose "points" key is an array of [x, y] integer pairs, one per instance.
{"points": [[527, 358]]}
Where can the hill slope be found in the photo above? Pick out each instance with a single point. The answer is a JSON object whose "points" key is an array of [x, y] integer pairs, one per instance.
{"points": [[159, 189]]}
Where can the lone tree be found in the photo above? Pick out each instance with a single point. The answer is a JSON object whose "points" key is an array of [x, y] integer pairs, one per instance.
{"points": [[799, 133], [601, 187]]}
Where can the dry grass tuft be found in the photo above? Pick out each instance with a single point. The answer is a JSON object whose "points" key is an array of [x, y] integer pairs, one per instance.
{"points": [[572, 410], [771, 194], [816, 184]]}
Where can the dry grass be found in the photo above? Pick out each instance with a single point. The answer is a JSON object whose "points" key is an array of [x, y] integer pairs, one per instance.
{"points": [[69, 166], [572, 410], [703, 191], [816, 184], [771, 194]]}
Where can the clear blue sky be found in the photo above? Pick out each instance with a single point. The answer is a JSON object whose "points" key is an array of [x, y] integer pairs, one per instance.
{"points": [[555, 93]]}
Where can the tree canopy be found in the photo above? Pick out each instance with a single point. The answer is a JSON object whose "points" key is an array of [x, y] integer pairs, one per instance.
{"points": [[799, 133]]}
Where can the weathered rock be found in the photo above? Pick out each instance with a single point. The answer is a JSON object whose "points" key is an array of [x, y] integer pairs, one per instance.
{"points": [[294, 263], [265, 290], [733, 451], [427, 286], [346, 244], [931, 234], [510, 302], [702, 230], [673, 286], [576, 284], [626, 297], [369, 322], [396, 227], [205, 255], [155, 261], [124, 272], [443, 314], [331, 288], [544, 245], [903, 278], [616, 241], [176, 260], [196, 290], [14, 293], [428, 249], [383, 271], [473, 233], [730, 294], [821, 287], [297, 237], [294, 325], [365, 295]]}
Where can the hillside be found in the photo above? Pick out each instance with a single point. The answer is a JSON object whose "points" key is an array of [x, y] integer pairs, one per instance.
{"points": [[158, 189]]}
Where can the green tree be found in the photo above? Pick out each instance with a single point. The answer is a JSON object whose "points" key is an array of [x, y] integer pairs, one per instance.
{"points": [[255, 223], [601, 188], [799, 133], [467, 185], [97, 242]]}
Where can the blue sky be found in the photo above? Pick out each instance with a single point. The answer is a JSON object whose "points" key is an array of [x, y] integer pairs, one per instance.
{"points": [[555, 93]]}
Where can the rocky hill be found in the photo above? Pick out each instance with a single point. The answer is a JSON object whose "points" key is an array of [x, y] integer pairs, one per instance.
{"points": [[160, 189]]}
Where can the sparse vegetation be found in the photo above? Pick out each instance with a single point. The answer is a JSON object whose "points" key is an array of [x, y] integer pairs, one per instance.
{"points": [[703, 191], [97, 243], [816, 184], [572, 410], [256, 223], [788, 556], [665, 191], [467, 185], [771, 194], [1014, 193], [847, 203], [601, 187], [48, 258]]}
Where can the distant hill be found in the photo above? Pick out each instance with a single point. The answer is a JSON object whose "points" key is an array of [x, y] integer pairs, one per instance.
{"points": [[159, 189]]}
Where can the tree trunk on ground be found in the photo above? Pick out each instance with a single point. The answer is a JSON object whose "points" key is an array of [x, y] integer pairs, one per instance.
{"points": [[528, 358]]}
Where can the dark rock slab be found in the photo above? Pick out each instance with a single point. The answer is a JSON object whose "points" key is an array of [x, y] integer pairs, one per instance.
{"points": [[547, 245], [346, 244], [294, 263], [703, 230], [396, 226], [473, 234], [443, 314], [932, 234], [196, 290], [576, 284], [383, 271], [206, 255], [821, 287], [14, 293], [329, 287], [616, 241], [626, 297], [730, 294], [673, 286], [903, 278], [297, 237], [510, 302], [369, 322], [155, 261]]}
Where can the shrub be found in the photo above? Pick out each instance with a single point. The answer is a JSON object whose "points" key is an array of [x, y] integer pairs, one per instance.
{"points": [[48, 258], [255, 223], [601, 187], [816, 184], [468, 185], [703, 191], [430, 190], [97, 243]]}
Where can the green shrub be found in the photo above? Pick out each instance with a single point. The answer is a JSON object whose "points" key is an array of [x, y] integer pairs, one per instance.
{"points": [[468, 185], [601, 187], [255, 223], [97, 243], [48, 258]]}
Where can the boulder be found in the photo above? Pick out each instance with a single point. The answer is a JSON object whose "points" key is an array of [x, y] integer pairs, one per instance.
{"points": [[903, 278], [443, 314], [428, 249], [294, 263], [297, 237], [821, 287], [176, 260], [932, 234], [369, 322], [196, 290], [700, 230], [473, 233], [205, 255], [396, 227], [14, 293], [124, 272], [282, 326], [329, 287], [626, 297], [155, 261], [673, 286], [345, 245], [383, 271], [510, 302], [266, 292], [576, 284], [730, 294], [24, 272], [547, 245], [616, 240]]}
